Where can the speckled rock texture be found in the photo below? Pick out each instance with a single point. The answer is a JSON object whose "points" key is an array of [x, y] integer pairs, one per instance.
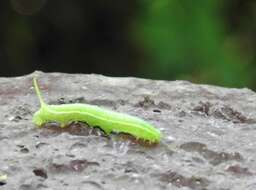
{"points": [[209, 136]]}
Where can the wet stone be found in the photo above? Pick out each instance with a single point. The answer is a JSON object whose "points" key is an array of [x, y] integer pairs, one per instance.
{"points": [[208, 136]]}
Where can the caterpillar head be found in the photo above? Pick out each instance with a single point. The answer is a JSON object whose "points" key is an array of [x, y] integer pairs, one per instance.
{"points": [[38, 118]]}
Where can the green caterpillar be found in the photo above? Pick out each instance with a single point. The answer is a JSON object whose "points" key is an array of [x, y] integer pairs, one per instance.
{"points": [[94, 116]]}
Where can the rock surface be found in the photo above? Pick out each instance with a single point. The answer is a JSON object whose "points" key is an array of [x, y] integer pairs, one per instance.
{"points": [[208, 136]]}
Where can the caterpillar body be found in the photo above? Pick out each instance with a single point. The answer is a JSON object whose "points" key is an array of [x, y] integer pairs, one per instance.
{"points": [[94, 116]]}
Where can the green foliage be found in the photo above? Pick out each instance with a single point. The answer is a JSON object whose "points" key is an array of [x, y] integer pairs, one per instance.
{"points": [[187, 40]]}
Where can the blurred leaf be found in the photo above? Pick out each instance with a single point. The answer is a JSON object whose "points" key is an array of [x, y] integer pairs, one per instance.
{"points": [[186, 40]]}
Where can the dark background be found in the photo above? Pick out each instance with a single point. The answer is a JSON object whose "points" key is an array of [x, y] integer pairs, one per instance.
{"points": [[202, 41]]}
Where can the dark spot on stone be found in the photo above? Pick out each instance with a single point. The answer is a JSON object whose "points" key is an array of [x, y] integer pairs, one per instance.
{"points": [[163, 105], [203, 107], [93, 183], [59, 101], [58, 168], [56, 149], [20, 113], [213, 157], [229, 114], [41, 186], [24, 150], [2, 183], [63, 100], [217, 158], [40, 172], [156, 110], [181, 114], [223, 112], [193, 146], [198, 160], [130, 167], [15, 118], [40, 144], [103, 182], [179, 180], [77, 100], [128, 170], [146, 103], [26, 187], [78, 145], [70, 155], [122, 102], [80, 165], [72, 166], [20, 145], [238, 170]]}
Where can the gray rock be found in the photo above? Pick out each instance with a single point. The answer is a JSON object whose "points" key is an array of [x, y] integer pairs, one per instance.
{"points": [[208, 136]]}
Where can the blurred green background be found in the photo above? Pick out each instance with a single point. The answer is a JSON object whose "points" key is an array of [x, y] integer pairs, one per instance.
{"points": [[201, 41]]}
